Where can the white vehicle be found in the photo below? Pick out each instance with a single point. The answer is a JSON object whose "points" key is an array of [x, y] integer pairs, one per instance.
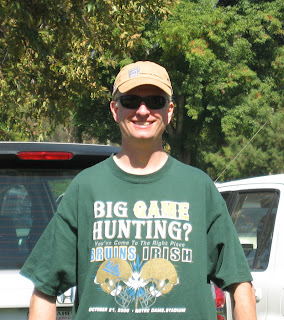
{"points": [[33, 179], [256, 206]]}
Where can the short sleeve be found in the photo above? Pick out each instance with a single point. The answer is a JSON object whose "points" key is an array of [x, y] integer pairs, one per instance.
{"points": [[227, 263]]}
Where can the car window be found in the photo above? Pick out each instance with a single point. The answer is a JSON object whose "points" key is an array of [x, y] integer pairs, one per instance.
{"points": [[226, 196], [253, 215], [28, 200]]}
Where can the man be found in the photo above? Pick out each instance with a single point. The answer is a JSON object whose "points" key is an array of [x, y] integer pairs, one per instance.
{"points": [[140, 234]]}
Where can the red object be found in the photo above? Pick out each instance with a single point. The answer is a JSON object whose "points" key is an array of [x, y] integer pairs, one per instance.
{"points": [[45, 155], [220, 298]]}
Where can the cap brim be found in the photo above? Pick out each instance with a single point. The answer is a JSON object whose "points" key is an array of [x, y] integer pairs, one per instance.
{"points": [[135, 82]]}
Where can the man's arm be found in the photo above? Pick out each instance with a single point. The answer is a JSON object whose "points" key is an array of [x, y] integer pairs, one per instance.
{"points": [[243, 301], [42, 306]]}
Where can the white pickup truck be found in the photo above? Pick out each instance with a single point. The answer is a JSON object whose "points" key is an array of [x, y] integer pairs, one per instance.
{"points": [[256, 206]]}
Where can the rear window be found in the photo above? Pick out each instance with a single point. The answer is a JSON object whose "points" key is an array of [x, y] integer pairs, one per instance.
{"points": [[28, 200]]}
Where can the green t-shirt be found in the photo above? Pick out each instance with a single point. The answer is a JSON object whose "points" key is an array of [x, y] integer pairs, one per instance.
{"points": [[139, 247]]}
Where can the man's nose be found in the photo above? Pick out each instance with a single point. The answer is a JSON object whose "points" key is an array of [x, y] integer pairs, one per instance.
{"points": [[143, 108]]}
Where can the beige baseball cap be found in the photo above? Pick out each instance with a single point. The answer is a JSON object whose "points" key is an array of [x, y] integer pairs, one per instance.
{"points": [[141, 73]]}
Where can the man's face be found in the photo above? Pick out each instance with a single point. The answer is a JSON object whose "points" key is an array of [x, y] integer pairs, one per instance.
{"points": [[142, 123]]}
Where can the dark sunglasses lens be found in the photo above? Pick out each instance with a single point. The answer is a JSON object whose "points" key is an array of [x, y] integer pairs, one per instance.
{"points": [[152, 102], [130, 102], [155, 102]]}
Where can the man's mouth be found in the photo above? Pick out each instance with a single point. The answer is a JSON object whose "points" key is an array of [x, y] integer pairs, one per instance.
{"points": [[143, 123]]}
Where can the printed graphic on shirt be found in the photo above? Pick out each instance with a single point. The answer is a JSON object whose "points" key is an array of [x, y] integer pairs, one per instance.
{"points": [[138, 283], [160, 229], [138, 248]]}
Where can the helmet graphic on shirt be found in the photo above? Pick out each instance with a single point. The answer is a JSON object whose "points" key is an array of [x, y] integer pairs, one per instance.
{"points": [[141, 283], [111, 273], [161, 273]]}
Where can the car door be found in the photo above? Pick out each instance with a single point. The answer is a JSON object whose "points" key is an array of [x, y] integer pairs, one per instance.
{"points": [[255, 213]]}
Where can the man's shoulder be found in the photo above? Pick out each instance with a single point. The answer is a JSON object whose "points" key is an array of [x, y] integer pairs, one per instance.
{"points": [[188, 170], [97, 170]]}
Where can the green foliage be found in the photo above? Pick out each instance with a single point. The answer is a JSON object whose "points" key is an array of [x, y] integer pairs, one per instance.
{"points": [[264, 155], [226, 68], [54, 54], [59, 58]]}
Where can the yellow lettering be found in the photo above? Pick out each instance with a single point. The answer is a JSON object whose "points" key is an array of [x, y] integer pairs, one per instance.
{"points": [[183, 211], [139, 209], [154, 210], [169, 209]]}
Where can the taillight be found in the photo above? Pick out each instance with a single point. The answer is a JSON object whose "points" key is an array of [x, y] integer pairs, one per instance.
{"points": [[45, 155], [220, 297], [220, 302]]}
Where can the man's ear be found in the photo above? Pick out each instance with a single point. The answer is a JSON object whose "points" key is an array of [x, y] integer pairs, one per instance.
{"points": [[113, 109], [170, 111]]}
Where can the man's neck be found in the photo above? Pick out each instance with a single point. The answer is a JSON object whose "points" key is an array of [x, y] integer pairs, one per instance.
{"points": [[141, 161]]}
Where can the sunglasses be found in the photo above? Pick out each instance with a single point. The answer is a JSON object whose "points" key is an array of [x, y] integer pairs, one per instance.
{"points": [[134, 102]]}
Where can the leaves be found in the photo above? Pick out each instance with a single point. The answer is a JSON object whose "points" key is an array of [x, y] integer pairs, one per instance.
{"points": [[54, 53], [59, 58], [222, 62]]}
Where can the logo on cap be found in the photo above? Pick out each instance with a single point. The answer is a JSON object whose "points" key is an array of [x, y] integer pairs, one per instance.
{"points": [[134, 72]]}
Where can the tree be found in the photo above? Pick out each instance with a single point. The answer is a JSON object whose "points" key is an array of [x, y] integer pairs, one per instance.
{"points": [[225, 65], [59, 59], [54, 54]]}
